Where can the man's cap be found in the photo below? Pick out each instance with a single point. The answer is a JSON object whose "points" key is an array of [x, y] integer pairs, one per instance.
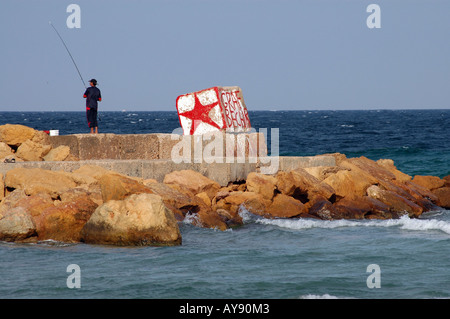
{"points": [[93, 81]]}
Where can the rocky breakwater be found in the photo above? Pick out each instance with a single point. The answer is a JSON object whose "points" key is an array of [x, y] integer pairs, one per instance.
{"points": [[99, 206], [19, 143]]}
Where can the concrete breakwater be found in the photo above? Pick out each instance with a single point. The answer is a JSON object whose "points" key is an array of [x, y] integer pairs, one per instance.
{"points": [[85, 196]]}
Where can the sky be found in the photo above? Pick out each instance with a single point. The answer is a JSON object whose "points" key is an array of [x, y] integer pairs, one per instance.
{"points": [[284, 55]]}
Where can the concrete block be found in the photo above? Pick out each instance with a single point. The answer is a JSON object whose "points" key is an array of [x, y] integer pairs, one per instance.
{"points": [[138, 146], [99, 146], [213, 109], [68, 140]]}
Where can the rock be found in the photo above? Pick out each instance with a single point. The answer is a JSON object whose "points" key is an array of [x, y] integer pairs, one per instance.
{"points": [[203, 196], [254, 202], [285, 206], [447, 180], [420, 195], [178, 202], [117, 187], [322, 208], [285, 183], [93, 171], [261, 184], [58, 154], [350, 184], [443, 195], [139, 219], [2, 187], [429, 182], [305, 182], [302, 186], [34, 204], [212, 219], [192, 181], [5, 151], [389, 165], [32, 151], [322, 172], [363, 208], [368, 166], [36, 180], [15, 134], [398, 204], [16, 225], [65, 221]]}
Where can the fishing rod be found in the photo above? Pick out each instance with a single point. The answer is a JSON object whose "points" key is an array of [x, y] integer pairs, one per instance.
{"points": [[71, 58], [69, 54]]}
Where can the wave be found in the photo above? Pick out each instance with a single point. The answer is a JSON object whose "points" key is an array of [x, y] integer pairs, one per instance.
{"points": [[404, 222]]}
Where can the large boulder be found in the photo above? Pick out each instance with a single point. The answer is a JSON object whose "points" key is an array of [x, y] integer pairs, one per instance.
{"points": [[64, 221], [397, 203], [261, 184], [16, 225], [232, 202], [117, 187], [139, 219], [192, 181], [388, 164], [350, 184], [32, 151], [5, 151], [59, 153], [302, 185], [443, 195], [284, 206], [15, 134], [429, 182], [364, 207], [322, 208], [36, 180]]}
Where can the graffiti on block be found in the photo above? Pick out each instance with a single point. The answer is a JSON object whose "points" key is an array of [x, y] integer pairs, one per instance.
{"points": [[216, 108]]}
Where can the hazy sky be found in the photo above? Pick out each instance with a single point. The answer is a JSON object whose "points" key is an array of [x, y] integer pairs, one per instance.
{"points": [[296, 55]]}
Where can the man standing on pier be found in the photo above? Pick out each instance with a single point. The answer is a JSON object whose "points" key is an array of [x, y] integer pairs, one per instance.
{"points": [[92, 96]]}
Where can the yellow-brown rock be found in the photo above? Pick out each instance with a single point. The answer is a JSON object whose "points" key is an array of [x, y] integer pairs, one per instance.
{"points": [[192, 181], [138, 220], [32, 151], [59, 153], [15, 134], [261, 184], [285, 206], [429, 182], [397, 203], [36, 180], [117, 187]]}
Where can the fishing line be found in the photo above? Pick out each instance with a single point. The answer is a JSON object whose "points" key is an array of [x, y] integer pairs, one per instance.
{"points": [[71, 58], [69, 54]]}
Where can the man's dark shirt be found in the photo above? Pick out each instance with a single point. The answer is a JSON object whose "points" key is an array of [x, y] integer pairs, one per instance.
{"points": [[92, 95]]}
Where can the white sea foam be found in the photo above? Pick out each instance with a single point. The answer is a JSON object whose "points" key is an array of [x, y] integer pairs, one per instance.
{"points": [[403, 223], [190, 219]]}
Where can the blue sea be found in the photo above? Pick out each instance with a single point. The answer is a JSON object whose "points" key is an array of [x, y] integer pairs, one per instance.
{"points": [[263, 259]]}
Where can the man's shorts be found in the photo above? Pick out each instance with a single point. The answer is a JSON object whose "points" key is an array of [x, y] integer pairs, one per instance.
{"points": [[91, 114]]}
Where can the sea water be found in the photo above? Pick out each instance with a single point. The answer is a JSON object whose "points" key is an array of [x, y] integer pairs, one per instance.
{"points": [[277, 258]]}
